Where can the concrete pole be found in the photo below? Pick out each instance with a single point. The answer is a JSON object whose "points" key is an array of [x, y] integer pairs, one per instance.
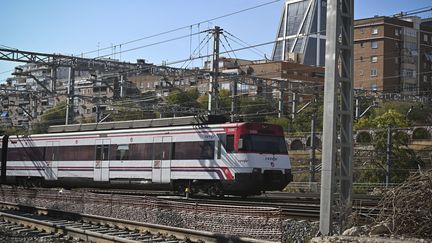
{"points": [[318, 28], [337, 145], [53, 79], [389, 154], [281, 100], [294, 105], [121, 86], [68, 101], [234, 100], [312, 150], [357, 108]]}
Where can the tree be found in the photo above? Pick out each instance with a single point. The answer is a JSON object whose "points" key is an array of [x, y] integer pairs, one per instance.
{"points": [[51, 117], [416, 113], [13, 131], [284, 122], [403, 158], [181, 99], [126, 110], [224, 101], [302, 121], [256, 108]]}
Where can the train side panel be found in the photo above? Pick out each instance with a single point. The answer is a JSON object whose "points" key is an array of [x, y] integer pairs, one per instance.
{"points": [[205, 156]]}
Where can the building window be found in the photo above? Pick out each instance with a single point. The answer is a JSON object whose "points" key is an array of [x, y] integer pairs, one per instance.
{"points": [[375, 31], [425, 78], [425, 38], [361, 44], [374, 44], [397, 31], [361, 72], [374, 59], [408, 73], [374, 72], [361, 58], [374, 87]]}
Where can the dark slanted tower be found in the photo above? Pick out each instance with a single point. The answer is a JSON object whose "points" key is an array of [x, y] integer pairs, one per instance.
{"points": [[301, 34]]}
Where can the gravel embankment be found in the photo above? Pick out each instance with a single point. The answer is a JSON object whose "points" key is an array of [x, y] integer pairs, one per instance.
{"points": [[11, 236]]}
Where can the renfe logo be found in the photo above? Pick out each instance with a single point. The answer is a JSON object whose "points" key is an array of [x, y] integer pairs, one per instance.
{"points": [[271, 159]]}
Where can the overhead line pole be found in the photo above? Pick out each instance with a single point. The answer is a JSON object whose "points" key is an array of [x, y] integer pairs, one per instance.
{"points": [[213, 101], [337, 149]]}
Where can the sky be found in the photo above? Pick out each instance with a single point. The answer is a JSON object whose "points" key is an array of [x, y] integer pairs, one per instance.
{"points": [[79, 26]]}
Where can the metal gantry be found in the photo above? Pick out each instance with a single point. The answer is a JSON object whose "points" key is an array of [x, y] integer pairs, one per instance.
{"points": [[337, 148], [213, 101], [58, 60]]}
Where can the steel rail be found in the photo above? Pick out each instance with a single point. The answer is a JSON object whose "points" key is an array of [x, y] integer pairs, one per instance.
{"points": [[71, 229]]}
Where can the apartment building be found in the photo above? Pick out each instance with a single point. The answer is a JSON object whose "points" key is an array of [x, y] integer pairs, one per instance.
{"points": [[393, 55]]}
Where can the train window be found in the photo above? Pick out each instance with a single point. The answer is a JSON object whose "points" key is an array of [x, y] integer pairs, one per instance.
{"points": [[219, 150], [16, 154], [85, 152], [227, 142], [25, 154], [264, 144], [141, 151], [162, 151], [102, 152], [122, 152], [74, 153], [229, 147], [194, 150]]}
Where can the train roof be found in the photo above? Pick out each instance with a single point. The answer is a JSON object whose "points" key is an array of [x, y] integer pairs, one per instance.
{"points": [[72, 130], [134, 124]]}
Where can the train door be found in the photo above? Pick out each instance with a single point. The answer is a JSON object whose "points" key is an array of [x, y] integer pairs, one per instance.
{"points": [[51, 159], [161, 167], [102, 160]]}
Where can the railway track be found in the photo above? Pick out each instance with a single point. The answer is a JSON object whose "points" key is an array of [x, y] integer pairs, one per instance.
{"points": [[304, 207], [291, 205], [268, 197], [93, 228]]}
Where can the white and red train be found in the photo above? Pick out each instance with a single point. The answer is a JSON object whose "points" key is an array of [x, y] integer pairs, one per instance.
{"points": [[230, 158]]}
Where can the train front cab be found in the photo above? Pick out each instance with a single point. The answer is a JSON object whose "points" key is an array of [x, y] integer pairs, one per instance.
{"points": [[261, 153]]}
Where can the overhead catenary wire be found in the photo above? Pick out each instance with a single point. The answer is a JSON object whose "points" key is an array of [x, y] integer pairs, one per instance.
{"points": [[226, 51], [187, 26]]}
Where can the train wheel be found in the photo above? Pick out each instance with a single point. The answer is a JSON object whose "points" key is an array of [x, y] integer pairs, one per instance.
{"points": [[181, 190], [215, 190]]}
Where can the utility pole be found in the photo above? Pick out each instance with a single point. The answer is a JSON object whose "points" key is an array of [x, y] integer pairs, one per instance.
{"points": [[389, 154], [70, 115], [357, 107], [53, 79], [312, 150], [294, 105], [234, 100], [313, 145], [281, 100], [121, 86], [213, 102], [337, 149]]}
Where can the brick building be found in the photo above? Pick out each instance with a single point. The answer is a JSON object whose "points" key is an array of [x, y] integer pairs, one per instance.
{"points": [[393, 54]]}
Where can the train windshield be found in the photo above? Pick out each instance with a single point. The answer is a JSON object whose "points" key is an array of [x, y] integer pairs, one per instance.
{"points": [[264, 144]]}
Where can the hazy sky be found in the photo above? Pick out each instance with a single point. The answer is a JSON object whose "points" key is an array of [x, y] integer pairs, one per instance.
{"points": [[74, 27]]}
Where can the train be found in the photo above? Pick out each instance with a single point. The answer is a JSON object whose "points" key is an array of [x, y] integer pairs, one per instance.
{"points": [[240, 158]]}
